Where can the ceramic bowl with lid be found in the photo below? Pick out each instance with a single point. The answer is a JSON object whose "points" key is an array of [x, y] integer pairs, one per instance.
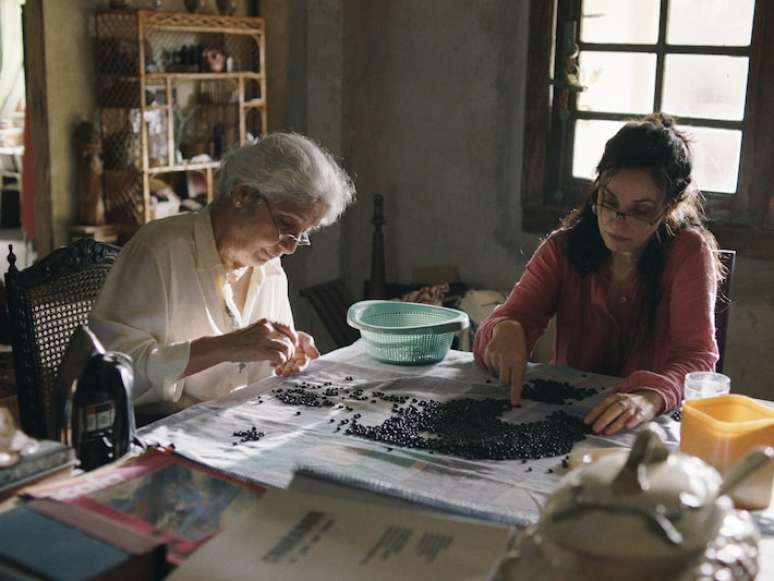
{"points": [[653, 514]]}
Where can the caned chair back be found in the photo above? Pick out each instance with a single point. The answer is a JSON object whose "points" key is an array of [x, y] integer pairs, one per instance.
{"points": [[46, 303], [723, 304]]}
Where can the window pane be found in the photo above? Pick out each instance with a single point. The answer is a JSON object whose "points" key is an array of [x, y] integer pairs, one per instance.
{"points": [[590, 139], [620, 21], [723, 22], [708, 86], [617, 82], [715, 158]]}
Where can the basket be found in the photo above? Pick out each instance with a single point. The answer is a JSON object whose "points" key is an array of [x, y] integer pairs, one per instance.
{"points": [[406, 333]]}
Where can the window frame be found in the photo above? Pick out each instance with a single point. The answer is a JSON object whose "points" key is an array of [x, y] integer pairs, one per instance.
{"points": [[743, 221]]}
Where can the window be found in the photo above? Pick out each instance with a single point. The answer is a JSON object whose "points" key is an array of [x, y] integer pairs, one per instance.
{"points": [[593, 64]]}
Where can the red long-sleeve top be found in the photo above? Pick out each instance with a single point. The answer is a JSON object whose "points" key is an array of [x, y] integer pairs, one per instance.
{"points": [[590, 337]]}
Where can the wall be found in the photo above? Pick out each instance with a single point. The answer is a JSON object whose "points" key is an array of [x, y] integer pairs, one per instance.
{"points": [[750, 342], [434, 122]]}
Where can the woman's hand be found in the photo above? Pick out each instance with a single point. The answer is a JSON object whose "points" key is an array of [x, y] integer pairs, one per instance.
{"points": [[306, 351], [506, 356], [624, 410], [264, 340], [261, 341]]}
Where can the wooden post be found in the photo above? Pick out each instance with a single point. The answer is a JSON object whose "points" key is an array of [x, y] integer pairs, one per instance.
{"points": [[376, 288]]}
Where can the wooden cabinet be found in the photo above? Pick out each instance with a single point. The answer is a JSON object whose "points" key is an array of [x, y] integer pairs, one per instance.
{"points": [[175, 91]]}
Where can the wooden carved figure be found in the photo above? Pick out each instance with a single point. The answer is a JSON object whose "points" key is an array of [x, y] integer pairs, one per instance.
{"points": [[91, 206]]}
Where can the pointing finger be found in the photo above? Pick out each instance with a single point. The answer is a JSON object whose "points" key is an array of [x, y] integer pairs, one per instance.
{"points": [[517, 382]]}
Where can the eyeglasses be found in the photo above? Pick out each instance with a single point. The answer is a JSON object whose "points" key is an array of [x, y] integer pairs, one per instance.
{"points": [[283, 230], [641, 216]]}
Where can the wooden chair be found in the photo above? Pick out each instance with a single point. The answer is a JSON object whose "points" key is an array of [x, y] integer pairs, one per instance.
{"points": [[723, 304], [330, 300], [46, 303]]}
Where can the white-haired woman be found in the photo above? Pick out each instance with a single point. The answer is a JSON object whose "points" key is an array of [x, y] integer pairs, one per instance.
{"points": [[199, 300]]}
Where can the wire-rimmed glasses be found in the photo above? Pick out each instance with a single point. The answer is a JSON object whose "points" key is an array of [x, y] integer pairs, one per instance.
{"points": [[283, 232]]}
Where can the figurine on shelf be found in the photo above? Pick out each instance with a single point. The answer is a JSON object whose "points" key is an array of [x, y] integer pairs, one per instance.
{"points": [[195, 5], [213, 60], [91, 207], [227, 7]]}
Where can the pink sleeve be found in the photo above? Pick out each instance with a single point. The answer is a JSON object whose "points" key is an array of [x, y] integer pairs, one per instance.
{"points": [[692, 345], [532, 301]]}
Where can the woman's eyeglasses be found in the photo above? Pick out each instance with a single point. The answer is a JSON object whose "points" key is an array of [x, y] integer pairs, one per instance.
{"points": [[642, 216], [283, 230]]}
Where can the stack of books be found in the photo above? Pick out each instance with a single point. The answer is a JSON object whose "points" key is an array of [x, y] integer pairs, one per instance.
{"points": [[46, 539]]}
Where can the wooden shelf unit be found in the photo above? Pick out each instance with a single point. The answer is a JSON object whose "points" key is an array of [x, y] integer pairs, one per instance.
{"points": [[161, 104]]}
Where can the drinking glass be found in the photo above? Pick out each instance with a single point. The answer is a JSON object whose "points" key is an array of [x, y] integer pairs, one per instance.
{"points": [[700, 384]]}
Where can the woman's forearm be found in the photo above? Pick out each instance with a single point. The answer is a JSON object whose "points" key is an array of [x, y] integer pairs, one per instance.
{"points": [[206, 352]]}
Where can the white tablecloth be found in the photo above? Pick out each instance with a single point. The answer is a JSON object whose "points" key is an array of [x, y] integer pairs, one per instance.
{"points": [[505, 491]]}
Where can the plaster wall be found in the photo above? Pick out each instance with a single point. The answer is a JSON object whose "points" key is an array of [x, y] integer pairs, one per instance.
{"points": [[434, 119], [750, 342]]}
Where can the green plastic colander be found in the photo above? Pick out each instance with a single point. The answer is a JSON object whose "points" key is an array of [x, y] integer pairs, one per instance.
{"points": [[406, 333]]}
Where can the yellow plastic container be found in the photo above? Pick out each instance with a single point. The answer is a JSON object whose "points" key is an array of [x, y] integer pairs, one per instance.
{"points": [[721, 430]]}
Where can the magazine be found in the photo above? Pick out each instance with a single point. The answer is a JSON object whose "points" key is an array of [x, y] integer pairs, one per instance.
{"points": [[181, 502]]}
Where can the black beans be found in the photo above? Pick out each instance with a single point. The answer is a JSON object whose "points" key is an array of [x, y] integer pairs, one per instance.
{"points": [[300, 396], [467, 428], [677, 415], [555, 392], [251, 435], [472, 429]]}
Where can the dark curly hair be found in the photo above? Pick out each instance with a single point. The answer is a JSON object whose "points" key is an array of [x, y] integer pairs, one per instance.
{"points": [[653, 144]]}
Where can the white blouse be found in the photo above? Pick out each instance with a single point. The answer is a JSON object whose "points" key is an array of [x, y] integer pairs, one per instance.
{"points": [[167, 288]]}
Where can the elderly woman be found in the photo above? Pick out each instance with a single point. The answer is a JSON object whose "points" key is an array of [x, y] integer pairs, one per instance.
{"points": [[200, 300]]}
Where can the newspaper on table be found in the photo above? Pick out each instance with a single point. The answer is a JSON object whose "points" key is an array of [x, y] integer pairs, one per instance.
{"points": [[294, 536], [507, 491]]}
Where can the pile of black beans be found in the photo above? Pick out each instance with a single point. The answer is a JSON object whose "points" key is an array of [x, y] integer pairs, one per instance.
{"points": [[300, 396], [467, 428], [251, 435], [555, 392], [472, 429]]}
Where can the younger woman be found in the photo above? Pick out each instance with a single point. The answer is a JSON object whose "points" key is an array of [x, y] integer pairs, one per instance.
{"points": [[631, 277]]}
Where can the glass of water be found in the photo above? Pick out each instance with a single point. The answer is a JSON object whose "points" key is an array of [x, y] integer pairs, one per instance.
{"points": [[701, 384]]}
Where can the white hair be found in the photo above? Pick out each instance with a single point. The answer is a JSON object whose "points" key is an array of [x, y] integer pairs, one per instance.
{"points": [[288, 166]]}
